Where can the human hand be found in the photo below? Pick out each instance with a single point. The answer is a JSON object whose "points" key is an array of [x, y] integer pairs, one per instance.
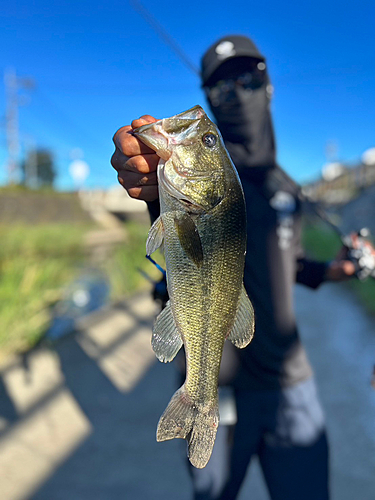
{"points": [[340, 270], [135, 162]]}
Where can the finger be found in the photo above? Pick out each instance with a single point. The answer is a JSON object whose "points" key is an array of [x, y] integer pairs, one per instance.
{"points": [[118, 160], [140, 187], [128, 144], [340, 270], [348, 267], [145, 193], [132, 179], [143, 120], [142, 164]]}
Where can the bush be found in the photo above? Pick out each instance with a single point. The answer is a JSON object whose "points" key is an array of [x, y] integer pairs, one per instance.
{"points": [[38, 262]]}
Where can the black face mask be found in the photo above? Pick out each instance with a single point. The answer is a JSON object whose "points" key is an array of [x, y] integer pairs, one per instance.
{"points": [[246, 125]]}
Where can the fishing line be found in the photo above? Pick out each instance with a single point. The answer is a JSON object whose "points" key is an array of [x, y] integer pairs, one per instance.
{"points": [[156, 265]]}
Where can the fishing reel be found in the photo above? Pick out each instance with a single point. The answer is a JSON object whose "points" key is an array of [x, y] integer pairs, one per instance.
{"points": [[361, 253], [160, 291]]}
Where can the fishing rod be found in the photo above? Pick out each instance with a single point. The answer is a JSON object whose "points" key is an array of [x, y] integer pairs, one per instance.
{"points": [[358, 247], [164, 35]]}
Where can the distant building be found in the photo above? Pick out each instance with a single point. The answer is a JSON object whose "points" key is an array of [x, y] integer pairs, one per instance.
{"points": [[341, 183]]}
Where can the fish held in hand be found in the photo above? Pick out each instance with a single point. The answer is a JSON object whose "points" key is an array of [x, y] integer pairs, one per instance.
{"points": [[202, 227]]}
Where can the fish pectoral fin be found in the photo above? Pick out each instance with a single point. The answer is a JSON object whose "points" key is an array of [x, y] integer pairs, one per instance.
{"points": [[155, 236], [166, 340], [189, 238], [243, 328], [183, 419]]}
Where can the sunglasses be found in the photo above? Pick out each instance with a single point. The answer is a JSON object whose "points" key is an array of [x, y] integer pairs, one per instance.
{"points": [[224, 90]]}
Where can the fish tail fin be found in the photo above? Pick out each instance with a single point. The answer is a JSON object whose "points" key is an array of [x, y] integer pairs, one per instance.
{"points": [[183, 419]]}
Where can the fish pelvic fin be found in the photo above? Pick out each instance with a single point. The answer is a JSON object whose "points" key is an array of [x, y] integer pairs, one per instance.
{"points": [[244, 324], [155, 237], [166, 340], [183, 419]]}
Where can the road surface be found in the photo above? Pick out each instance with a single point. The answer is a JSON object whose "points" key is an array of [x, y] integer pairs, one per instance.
{"points": [[78, 422]]}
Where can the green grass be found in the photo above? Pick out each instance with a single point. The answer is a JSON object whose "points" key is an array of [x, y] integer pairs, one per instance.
{"points": [[38, 262], [35, 263], [322, 243], [123, 268]]}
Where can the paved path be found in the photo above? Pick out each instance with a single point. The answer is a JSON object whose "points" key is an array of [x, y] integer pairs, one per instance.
{"points": [[340, 341], [78, 422]]}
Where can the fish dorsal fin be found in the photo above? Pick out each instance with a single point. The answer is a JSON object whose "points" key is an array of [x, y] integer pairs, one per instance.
{"points": [[189, 238], [155, 236], [243, 328], [166, 339]]}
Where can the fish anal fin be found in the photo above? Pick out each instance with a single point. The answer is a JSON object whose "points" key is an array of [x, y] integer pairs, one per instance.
{"points": [[189, 238], [166, 339], [155, 236], [244, 324], [183, 419]]}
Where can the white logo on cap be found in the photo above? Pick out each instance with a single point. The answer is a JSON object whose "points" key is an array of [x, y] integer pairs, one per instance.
{"points": [[225, 49]]}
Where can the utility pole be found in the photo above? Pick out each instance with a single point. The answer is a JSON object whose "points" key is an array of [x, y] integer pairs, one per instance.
{"points": [[11, 123], [31, 168], [12, 86]]}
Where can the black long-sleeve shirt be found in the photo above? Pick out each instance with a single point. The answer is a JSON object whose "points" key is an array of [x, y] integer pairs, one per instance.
{"points": [[274, 262]]}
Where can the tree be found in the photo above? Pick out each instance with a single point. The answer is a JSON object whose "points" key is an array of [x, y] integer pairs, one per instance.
{"points": [[38, 168]]}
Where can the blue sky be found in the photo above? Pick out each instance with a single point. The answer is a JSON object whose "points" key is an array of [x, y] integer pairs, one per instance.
{"points": [[97, 65]]}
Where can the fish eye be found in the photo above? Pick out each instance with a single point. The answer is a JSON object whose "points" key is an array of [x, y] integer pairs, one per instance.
{"points": [[209, 140]]}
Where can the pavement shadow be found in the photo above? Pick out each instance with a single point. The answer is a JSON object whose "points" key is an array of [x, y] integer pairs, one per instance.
{"points": [[120, 458], [117, 456], [8, 412]]}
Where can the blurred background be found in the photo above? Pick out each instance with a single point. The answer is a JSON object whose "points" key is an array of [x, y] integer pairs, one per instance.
{"points": [[80, 391]]}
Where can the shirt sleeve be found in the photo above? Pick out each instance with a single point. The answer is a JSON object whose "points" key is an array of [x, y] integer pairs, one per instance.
{"points": [[310, 272], [153, 210]]}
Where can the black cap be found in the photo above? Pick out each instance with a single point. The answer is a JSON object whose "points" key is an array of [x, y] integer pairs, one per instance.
{"points": [[224, 49]]}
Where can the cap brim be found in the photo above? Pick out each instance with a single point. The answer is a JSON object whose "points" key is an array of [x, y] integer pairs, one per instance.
{"points": [[212, 68]]}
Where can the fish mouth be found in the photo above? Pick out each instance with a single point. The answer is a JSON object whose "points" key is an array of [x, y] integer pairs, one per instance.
{"points": [[163, 134], [154, 136]]}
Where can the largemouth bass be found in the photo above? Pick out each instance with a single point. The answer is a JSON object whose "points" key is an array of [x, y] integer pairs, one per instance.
{"points": [[202, 227]]}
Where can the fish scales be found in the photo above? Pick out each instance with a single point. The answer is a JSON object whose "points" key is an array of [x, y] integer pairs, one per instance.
{"points": [[209, 314], [203, 228]]}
